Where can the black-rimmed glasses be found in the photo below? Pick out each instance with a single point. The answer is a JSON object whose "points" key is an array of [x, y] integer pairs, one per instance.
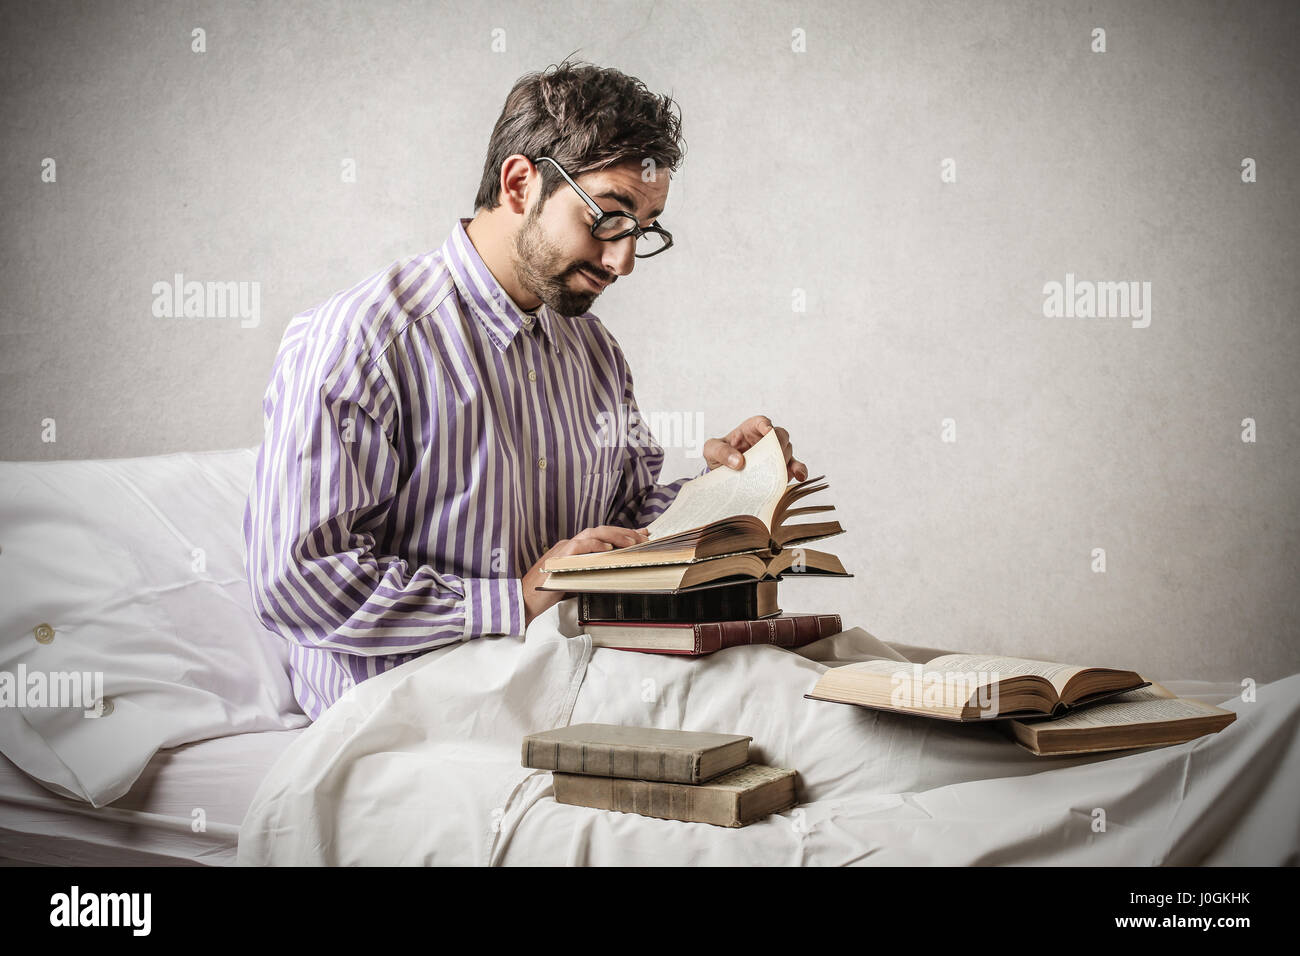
{"points": [[650, 240]]}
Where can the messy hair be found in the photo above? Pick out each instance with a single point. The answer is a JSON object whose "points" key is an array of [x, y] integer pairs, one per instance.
{"points": [[586, 118]]}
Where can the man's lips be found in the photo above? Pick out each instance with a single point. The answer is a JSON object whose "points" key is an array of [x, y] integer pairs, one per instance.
{"points": [[598, 283]]}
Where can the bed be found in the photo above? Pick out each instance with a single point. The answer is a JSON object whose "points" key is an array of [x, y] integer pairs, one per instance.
{"points": [[134, 567]]}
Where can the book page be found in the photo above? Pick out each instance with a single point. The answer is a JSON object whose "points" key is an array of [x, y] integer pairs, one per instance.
{"points": [[723, 493], [1004, 667], [1135, 707]]}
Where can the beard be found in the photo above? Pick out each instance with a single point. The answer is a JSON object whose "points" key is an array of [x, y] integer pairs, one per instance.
{"points": [[541, 269]]}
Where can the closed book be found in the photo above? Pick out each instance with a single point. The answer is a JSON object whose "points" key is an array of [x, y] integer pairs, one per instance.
{"points": [[787, 630], [746, 601], [734, 799], [645, 753]]}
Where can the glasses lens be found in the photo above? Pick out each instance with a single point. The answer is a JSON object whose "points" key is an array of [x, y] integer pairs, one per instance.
{"points": [[615, 225], [649, 243]]}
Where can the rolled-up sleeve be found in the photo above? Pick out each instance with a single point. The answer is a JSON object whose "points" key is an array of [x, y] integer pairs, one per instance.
{"points": [[325, 476]]}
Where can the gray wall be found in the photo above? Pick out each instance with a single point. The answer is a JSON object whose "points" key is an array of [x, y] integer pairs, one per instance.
{"points": [[818, 171]]}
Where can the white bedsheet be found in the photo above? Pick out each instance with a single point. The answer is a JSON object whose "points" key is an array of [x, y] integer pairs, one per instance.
{"points": [[152, 824], [421, 765]]}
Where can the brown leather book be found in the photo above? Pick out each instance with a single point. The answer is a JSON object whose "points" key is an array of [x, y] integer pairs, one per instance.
{"points": [[787, 630], [734, 799]]}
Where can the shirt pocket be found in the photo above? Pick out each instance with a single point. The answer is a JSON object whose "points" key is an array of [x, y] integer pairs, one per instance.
{"points": [[595, 497]]}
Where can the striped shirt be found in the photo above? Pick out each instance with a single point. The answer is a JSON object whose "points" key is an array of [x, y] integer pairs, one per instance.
{"points": [[426, 440]]}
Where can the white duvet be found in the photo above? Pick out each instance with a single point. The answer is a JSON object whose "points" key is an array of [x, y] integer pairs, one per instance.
{"points": [[421, 765]]}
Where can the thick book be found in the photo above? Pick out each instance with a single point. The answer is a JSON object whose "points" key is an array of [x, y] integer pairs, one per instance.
{"points": [[734, 799], [722, 512], [787, 630], [746, 601], [972, 687], [645, 753], [674, 578], [1148, 717]]}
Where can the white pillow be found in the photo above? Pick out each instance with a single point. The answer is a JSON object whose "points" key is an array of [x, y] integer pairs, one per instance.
{"points": [[135, 567]]}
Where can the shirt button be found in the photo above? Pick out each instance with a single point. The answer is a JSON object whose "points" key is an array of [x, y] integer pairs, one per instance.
{"points": [[528, 322], [532, 376], [44, 633], [541, 463]]}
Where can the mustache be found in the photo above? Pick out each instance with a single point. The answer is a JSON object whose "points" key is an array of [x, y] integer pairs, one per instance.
{"points": [[598, 273]]}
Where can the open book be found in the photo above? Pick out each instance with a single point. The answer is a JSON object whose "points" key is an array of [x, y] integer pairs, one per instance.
{"points": [[970, 687], [722, 512], [676, 577], [1148, 717]]}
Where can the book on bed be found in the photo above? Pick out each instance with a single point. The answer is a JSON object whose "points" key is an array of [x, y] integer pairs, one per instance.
{"points": [[972, 687], [678, 578], [644, 753], [719, 601], [735, 799], [723, 512], [786, 630], [1148, 717]]}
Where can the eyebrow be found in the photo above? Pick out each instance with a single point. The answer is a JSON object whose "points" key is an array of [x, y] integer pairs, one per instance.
{"points": [[625, 200]]}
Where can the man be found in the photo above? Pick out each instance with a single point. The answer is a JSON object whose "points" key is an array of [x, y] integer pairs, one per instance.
{"points": [[431, 433]]}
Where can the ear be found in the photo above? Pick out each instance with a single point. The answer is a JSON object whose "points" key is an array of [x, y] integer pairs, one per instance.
{"points": [[519, 179]]}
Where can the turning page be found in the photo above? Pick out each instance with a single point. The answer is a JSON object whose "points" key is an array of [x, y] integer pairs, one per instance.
{"points": [[722, 493]]}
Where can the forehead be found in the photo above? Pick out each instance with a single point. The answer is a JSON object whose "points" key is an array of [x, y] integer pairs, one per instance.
{"points": [[625, 186]]}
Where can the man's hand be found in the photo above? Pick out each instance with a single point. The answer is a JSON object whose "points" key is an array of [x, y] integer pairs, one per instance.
{"points": [[604, 537], [730, 450]]}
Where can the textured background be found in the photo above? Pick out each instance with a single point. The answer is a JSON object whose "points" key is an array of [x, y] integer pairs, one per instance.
{"points": [[817, 171]]}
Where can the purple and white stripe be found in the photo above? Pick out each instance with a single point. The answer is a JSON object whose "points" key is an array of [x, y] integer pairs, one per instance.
{"points": [[426, 441]]}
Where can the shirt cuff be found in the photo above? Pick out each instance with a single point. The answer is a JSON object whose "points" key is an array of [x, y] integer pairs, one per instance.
{"points": [[493, 606]]}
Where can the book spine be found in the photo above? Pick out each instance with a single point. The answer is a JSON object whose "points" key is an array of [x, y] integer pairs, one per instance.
{"points": [[607, 760], [792, 631], [666, 801], [728, 603]]}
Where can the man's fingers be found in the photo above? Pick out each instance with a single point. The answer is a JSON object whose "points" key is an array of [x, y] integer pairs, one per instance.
{"points": [[607, 534], [719, 452]]}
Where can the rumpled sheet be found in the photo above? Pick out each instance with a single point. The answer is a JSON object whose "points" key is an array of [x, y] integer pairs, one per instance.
{"points": [[421, 765]]}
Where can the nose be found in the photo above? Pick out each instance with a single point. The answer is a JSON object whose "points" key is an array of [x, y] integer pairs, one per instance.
{"points": [[619, 256]]}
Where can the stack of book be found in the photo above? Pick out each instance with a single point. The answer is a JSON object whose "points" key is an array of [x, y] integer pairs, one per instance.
{"points": [[670, 774], [706, 578], [1046, 707]]}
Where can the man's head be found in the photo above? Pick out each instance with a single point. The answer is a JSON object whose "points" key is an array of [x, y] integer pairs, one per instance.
{"points": [[615, 138]]}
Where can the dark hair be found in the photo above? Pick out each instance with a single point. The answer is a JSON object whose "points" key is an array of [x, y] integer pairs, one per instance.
{"points": [[585, 117]]}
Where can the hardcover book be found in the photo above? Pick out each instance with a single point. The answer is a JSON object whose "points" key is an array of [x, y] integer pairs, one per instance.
{"points": [[745, 601], [1148, 717], [720, 513], [645, 753], [972, 687], [734, 799], [787, 630], [675, 578]]}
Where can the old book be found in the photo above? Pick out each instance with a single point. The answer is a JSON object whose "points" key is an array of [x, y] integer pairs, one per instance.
{"points": [[745, 601], [1148, 717], [672, 578], [787, 630], [722, 512], [735, 799], [971, 687], [646, 753]]}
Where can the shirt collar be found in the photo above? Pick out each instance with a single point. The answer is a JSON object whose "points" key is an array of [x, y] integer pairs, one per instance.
{"points": [[499, 313]]}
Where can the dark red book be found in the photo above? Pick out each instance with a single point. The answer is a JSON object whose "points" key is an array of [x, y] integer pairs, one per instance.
{"points": [[786, 630]]}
